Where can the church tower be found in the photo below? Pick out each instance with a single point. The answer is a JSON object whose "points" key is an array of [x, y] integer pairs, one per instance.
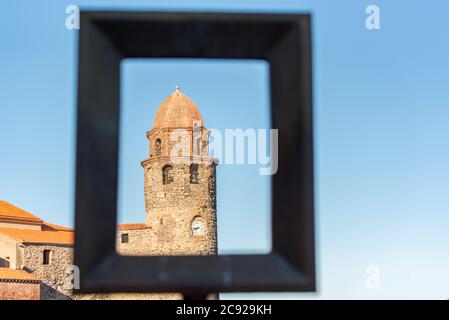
{"points": [[180, 180]]}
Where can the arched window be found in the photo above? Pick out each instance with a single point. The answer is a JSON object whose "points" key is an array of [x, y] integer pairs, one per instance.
{"points": [[166, 177], [194, 173], [158, 147]]}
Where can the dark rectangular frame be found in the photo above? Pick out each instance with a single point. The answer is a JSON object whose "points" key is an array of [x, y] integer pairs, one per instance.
{"points": [[284, 40]]}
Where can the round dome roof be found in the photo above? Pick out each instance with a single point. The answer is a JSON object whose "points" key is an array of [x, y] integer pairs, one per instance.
{"points": [[177, 111]]}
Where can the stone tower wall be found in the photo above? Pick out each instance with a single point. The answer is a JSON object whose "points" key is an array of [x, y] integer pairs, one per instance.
{"points": [[171, 208]]}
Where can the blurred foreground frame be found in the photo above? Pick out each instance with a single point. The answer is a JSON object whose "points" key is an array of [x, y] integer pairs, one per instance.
{"points": [[284, 40]]}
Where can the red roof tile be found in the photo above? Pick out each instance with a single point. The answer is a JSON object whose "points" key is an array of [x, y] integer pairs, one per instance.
{"points": [[16, 274], [56, 227], [177, 111], [133, 226], [37, 236], [11, 213]]}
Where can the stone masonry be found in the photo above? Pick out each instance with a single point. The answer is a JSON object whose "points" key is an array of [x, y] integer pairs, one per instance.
{"points": [[53, 286]]}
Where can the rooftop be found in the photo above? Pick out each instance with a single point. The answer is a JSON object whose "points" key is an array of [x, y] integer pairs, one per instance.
{"points": [[16, 274], [38, 236], [133, 226], [50, 233], [9, 212], [177, 111]]}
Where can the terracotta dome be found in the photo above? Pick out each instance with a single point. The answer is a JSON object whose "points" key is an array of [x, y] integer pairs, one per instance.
{"points": [[177, 111]]}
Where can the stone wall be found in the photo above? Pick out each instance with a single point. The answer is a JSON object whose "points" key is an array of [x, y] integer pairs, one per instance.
{"points": [[139, 243], [171, 208], [19, 290], [53, 285], [53, 275]]}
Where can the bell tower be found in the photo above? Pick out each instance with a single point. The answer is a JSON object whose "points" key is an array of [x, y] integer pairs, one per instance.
{"points": [[180, 181]]}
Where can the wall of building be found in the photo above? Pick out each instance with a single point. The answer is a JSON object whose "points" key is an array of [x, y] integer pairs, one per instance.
{"points": [[19, 290], [139, 243], [8, 253], [53, 276], [171, 208]]}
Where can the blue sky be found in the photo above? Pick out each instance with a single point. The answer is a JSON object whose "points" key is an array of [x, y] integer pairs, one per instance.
{"points": [[381, 134]]}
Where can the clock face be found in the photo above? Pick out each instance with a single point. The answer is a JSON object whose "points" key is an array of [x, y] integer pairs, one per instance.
{"points": [[197, 228]]}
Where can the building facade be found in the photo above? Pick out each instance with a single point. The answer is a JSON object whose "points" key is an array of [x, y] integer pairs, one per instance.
{"points": [[180, 205]]}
